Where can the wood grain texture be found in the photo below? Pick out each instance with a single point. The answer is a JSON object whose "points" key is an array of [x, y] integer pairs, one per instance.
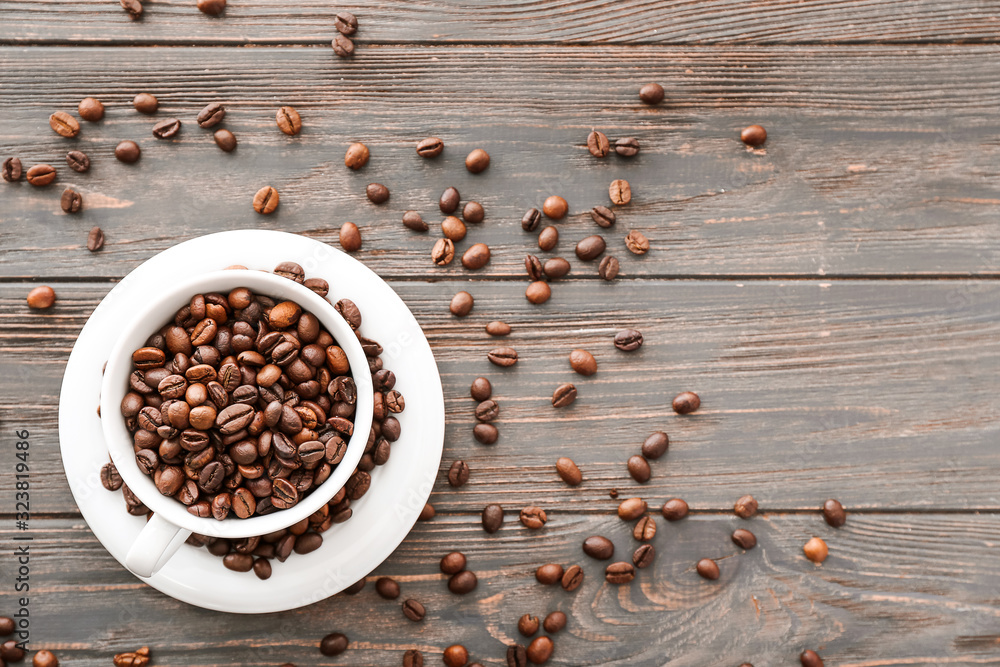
{"points": [[896, 590], [879, 161], [491, 21], [879, 393]]}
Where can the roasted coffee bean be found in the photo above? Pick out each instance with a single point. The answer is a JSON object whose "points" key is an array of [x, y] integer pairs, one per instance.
{"points": [[462, 582], [834, 514], [492, 518], [262, 568], [498, 328], [555, 268], [144, 102], [549, 573], [138, 658], [477, 161], [645, 529], [78, 161], [533, 517], [631, 509], [10, 651], [538, 292], [456, 655], [627, 146], [41, 297], [655, 446], [487, 411], [64, 125], [637, 243], [502, 356], [810, 658], [564, 395], [608, 268], [628, 340], [555, 207], [44, 658], [597, 144], [458, 474], [531, 220], [651, 93], [755, 135], [266, 200], [745, 507], [485, 434], [345, 23], [71, 201], [212, 8], [413, 610], [481, 389], [815, 550], [170, 480], [430, 147], [533, 267], [583, 362], [643, 556], [308, 542], [473, 212], [554, 622], [528, 625], [166, 129], [449, 201], [443, 252], [619, 573], [350, 312], [387, 588], [476, 257], [620, 192], [412, 220], [453, 228], [128, 152], [377, 193], [318, 285], [110, 479], [540, 650], [572, 578], [708, 569], [333, 644], [603, 216], [453, 562], [41, 175], [599, 547], [342, 46], [12, 170], [744, 539], [356, 156], [590, 248], [244, 504], [638, 467], [90, 109], [288, 120], [568, 471]]}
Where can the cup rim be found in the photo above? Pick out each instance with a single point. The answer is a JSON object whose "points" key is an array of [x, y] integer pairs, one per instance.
{"points": [[114, 386]]}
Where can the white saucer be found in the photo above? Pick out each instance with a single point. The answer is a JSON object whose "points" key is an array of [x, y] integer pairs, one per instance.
{"points": [[399, 489]]}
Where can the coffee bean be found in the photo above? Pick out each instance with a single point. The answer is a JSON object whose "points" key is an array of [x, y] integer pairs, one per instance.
{"points": [[590, 248], [638, 467], [708, 569], [377, 193], [555, 268], [225, 140], [487, 411], [538, 292], [619, 573], [655, 446], [453, 228], [620, 192], [64, 125], [533, 267], [477, 161], [476, 257], [583, 362], [599, 547], [342, 46], [810, 658], [564, 395], [554, 622], [597, 144], [212, 8], [458, 474], [144, 102], [387, 588], [166, 129], [44, 658], [10, 651], [449, 201], [645, 529], [651, 93], [41, 175], [549, 573], [12, 169], [128, 152], [533, 517], [413, 610], [333, 644], [755, 135], [456, 656], [745, 507], [350, 237], [517, 656], [430, 147], [356, 156], [502, 356], [815, 550], [540, 650], [266, 200], [555, 207], [453, 562], [461, 304], [498, 328], [637, 243], [443, 252], [345, 23], [834, 514], [528, 625], [548, 238], [627, 146], [78, 161], [110, 480], [631, 509], [290, 270], [473, 212], [412, 220], [531, 220], [744, 538], [643, 556], [462, 583], [288, 120], [90, 109], [628, 340], [71, 201], [492, 518], [41, 298], [486, 434], [262, 568], [413, 658], [568, 471], [481, 389], [603, 216], [608, 268]]}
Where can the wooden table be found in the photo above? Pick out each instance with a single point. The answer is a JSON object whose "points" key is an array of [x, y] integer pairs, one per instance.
{"points": [[832, 297]]}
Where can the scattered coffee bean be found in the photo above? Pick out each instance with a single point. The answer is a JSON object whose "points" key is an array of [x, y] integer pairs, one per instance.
{"points": [[71, 201], [627, 147], [555, 268], [342, 45], [41, 297], [476, 257], [44, 658], [810, 658], [213, 113], [128, 152], [413, 610], [225, 140], [745, 507], [266, 200], [540, 650], [533, 267], [145, 103], [815, 550], [597, 144], [481, 389], [41, 175], [583, 362], [427, 513], [651, 93], [645, 529], [443, 252], [674, 509], [288, 120], [412, 220], [603, 216], [64, 125], [139, 658], [261, 567], [212, 8], [492, 518], [655, 446], [12, 169], [599, 547], [620, 192], [473, 212], [78, 161], [533, 517], [608, 268], [755, 135], [555, 207], [458, 474], [461, 304], [377, 193], [387, 588], [538, 292], [430, 147], [564, 395], [554, 622], [133, 7], [708, 569], [619, 573], [456, 656], [453, 228], [549, 573], [453, 562], [590, 247], [834, 514], [350, 237], [643, 556], [498, 328], [356, 156], [166, 129], [485, 434], [477, 161], [10, 651], [333, 644], [744, 539], [412, 658], [449, 200], [628, 340], [631, 509], [462, 583], [528, 625], [95, 239], [637, 243], [345, 23], [568, 471], [686, 402], [517, 656], [548, 238], [531, 220], [487, 411], [90, 110], [572, 578], [502, 356], [638, 467]]}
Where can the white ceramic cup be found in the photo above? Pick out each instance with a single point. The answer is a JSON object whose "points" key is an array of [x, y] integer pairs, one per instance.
{"points": [[171, 523]]}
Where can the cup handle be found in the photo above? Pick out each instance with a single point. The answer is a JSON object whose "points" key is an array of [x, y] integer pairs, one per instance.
{"points": [[157, 542]]}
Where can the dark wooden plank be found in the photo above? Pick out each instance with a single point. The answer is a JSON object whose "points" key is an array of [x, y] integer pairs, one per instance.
{"points": [[902, 589], [880, 161], [880, 393], [626, 21]]}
